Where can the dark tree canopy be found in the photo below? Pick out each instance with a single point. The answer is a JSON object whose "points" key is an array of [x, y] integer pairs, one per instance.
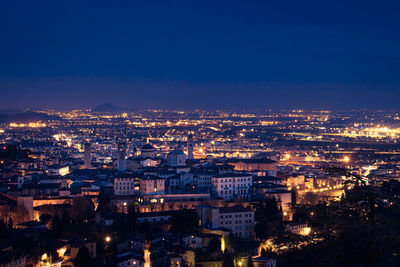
{"points": [[83, 258]]}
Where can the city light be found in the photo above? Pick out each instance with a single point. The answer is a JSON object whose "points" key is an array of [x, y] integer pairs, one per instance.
{"points": [[305, 231], [30, 125], [222, 244], [44, 257], [61, 252]]}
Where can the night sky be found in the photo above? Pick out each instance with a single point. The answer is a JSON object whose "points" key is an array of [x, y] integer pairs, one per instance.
{"points": [[200, 54]]}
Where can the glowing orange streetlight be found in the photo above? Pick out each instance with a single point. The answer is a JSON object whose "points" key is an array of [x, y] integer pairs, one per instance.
{"points": [[346, 159]]}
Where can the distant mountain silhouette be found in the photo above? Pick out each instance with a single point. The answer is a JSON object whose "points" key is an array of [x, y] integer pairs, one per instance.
{"points": [[26, 117], [110, 108]]}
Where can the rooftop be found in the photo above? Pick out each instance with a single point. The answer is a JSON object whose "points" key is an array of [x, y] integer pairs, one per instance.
{"points": [[176, 152], [234, 209]]}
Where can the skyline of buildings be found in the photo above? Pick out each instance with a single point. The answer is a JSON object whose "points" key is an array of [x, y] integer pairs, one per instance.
{"points": [[177, 188]]}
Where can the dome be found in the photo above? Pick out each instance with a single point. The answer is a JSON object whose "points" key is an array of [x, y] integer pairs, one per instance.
{"points": [[176, 152], [147, 146]]}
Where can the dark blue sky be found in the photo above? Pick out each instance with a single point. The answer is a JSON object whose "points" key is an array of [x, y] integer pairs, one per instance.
{"points": [[200, 54]]}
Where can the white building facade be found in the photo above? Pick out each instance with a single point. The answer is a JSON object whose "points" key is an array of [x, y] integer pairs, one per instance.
{"points": [[238, 219], [233, 186]]}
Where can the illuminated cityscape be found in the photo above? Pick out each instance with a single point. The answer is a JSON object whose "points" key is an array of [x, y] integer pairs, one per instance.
{"points": [[127, 180], [199, 134]]}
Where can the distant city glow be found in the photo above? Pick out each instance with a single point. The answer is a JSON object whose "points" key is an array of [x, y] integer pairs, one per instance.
{"points": [[30, 125]]}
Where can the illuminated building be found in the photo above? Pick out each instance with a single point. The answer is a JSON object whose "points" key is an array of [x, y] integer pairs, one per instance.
{"points": [[262, 261], [152, 185], [298, 228], [148, 151], [130, 259], [124, 186], [176, 158], [238, 219], [262, 164], [232, 186]]}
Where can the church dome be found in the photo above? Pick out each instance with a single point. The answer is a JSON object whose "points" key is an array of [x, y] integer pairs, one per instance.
{"points": [[176, 152], [147, 146]]}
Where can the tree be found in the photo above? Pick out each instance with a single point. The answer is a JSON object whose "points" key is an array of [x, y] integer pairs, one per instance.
{"points": [[82, 209], [104, 202], [132, 216], [55, 223], [228, 260], [250, 262], [360, 229], [185, 221], [10, 223], [44, 218], [214, 245], [268, 217], [310, 198], [83, 258], [3, 227]]}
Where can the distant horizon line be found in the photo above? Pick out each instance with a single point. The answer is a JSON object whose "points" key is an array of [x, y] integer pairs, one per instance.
{"points": [[132, 110]]}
